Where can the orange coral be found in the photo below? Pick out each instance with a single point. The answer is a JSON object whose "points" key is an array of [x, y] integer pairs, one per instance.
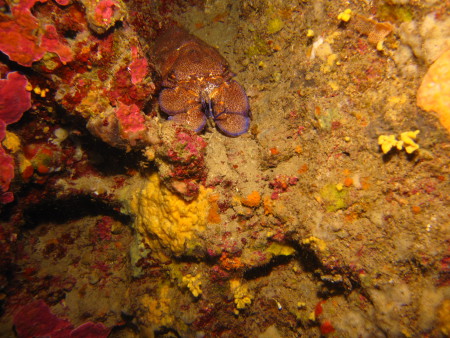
{"points": [[252, 200], [213, 214], [415, 209], [365, 183], [274, 151], [303, 169], [230, 263], [268, 205], [348, 181]]}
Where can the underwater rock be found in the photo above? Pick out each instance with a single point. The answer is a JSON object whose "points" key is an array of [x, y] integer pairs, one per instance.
{"points": [[103, 14], [181, 160], [124, 127]]}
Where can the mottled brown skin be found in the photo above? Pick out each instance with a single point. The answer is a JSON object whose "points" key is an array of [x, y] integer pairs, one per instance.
{"points": [[197, 84]]}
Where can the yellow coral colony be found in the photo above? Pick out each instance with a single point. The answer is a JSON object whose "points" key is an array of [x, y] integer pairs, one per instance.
{"points": [[166, 221], [193, 283], [408, 138], [387, 142], [158, 309], [242, 297]]}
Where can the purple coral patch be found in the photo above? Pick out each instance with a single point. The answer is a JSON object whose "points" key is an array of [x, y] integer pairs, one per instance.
{"points": [[36, 320]]}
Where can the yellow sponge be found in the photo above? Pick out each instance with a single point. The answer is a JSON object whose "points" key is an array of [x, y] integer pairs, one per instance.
{"points": [[165, 220]]}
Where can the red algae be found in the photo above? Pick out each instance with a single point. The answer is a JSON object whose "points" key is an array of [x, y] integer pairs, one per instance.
{"points": [[19, 41], [14, 99], [6, 176]]}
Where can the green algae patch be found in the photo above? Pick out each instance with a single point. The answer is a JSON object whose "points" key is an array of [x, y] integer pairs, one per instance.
{"points": [[395, 13], [259, 47], [333, 197], [275, 25], [326, 117]]}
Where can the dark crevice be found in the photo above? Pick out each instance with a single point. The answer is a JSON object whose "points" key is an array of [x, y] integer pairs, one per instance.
{"points": [[128, 324], [103, 157], [14, 66], [311, 264], [70, 34], [165, 332], [68, 209], [306, 257], [5, 9], [266, 269]]}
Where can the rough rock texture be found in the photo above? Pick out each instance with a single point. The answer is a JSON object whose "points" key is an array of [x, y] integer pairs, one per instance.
{"points": [[303, 226]]}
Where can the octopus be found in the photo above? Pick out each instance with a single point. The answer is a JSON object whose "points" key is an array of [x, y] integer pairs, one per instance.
{"points": [[197, 84]]}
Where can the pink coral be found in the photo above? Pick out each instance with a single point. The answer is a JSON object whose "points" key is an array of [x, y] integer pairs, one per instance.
{"points": [[130, 117], [138, 67], [138, 70], [194, 144], [105, 11], [131, 120], [14, 99], [181, 161], [16, 38]]}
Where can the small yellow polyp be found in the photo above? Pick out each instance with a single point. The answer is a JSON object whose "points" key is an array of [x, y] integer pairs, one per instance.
{"points": [[193, 283], [408, 138], [11, 142], [242, 297], [345, 15], [387, 142]]}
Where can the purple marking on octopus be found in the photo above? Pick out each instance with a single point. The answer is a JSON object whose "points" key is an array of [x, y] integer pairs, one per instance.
{"points": [[198, 85]]}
